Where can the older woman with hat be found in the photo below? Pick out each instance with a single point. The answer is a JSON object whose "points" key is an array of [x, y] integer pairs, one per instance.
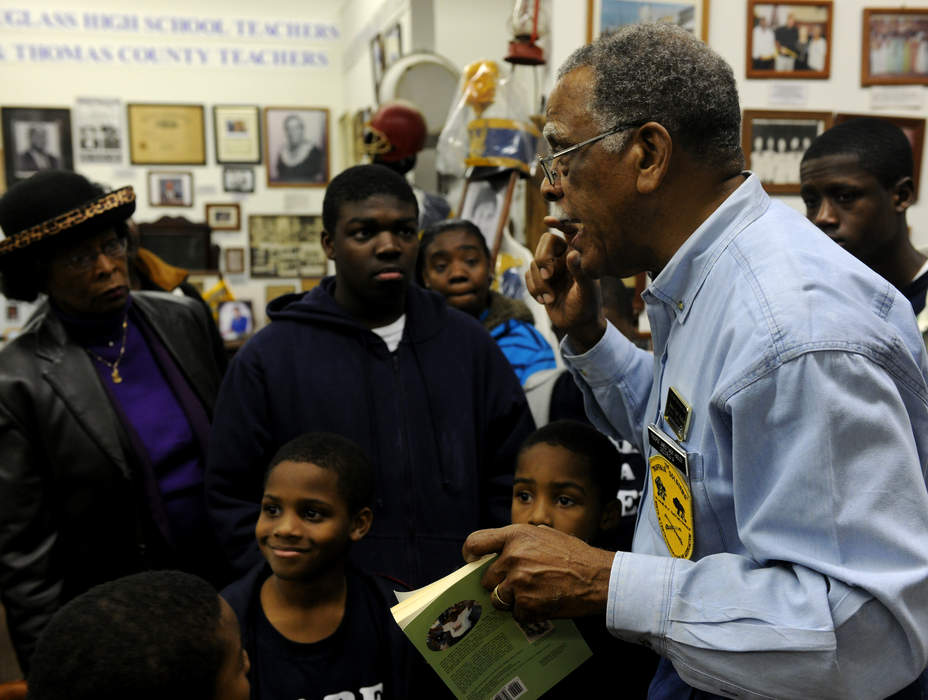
{"points": [[105, 403]]}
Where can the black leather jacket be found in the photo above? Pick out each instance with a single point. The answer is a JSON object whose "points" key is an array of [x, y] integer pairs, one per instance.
{"points": [[69, 497]]}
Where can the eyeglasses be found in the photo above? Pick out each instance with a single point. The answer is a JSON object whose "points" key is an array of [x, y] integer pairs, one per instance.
{"points": [[114, 249], [547, 162]]}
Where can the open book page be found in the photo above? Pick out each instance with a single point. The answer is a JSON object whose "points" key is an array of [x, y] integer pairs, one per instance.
{"points": [[481, 652]]}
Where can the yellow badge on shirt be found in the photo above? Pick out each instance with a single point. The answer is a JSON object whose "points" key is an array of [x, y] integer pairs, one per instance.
{"points": [[673, 501]]}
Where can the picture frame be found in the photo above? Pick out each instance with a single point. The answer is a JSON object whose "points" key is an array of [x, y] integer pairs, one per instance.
{"points": [[224, 217], [273, 291], [296, 146], [894, 48], [392, 45], [609, 15], [237, 133], [35, 139], [286, 246], [912, 127], [378, 66], [234, 261], [238, 179], [236, 319], [98, 129], [774, 142], [789, 39], [170, 189], [166, 134]]}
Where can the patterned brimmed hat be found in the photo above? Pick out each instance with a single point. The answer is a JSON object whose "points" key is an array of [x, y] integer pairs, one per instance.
{"points": [[56, 204]]}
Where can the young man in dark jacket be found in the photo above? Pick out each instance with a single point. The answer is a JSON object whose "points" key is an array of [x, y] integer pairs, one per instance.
{"points": [[420, 387]]}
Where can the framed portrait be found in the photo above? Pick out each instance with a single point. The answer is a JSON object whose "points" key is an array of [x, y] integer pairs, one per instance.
{"points": [[604, 16], [895, 46], [377, 63], [98, 127], [285, 245], [236, 319], [223, 217], [237, 179], [392, 45], [774, 141], [789, 39], [170, 189], [297, 146], [166, 134], [35, 138], [235, 261], [912, 127], [238, 134]]}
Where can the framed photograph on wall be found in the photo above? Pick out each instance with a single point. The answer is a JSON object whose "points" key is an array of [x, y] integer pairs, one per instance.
{"points": [[392, 45], [789, 39], [35, 138], [235, 261], [284, 245], [912, 127], [297, 146], [223, 217], [98, 126], [238, 179], [774, 141], [377, 63], [895, 46], [236, 319], [608, 15], [166, 134], [170, 189], [237, 129]]}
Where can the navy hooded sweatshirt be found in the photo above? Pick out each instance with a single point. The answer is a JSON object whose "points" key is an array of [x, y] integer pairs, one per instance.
{"points": [[442, 418]]}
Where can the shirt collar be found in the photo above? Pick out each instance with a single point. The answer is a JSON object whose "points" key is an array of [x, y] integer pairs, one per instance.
{"points": [[681, 279]]}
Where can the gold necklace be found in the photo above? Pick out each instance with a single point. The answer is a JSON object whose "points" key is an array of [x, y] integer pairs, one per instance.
{"points": [[122, 351]]}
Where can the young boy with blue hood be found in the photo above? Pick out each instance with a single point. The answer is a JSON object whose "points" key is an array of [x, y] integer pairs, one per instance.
{"points": [[422, 388]]}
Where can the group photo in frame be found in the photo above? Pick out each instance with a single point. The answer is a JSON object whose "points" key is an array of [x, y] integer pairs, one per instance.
{"points": [[238, 179], [35, 139], [774, 142], [604, 16], [166, 134], [170, 189], [789, 39], [98, 129], [912, 127], [237, 131], [895, 46], [224, 217], [297, 146], [286, 245]]}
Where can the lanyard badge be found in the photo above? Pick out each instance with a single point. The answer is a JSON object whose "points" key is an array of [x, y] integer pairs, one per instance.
{"points": [[673, 501]]}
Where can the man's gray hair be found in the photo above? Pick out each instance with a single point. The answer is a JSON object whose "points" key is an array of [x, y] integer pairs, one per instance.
{"points": [[662, 73]]}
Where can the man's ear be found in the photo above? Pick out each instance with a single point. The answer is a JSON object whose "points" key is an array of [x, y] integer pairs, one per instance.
{"points": [[609, 520], [361, 523], [327, 244], [653, 149], [903, 193]]}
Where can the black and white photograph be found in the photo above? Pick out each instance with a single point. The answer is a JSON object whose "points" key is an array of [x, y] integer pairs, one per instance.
{"points": [[98, 129], [35, 139], [170, 189], [286, 246], [238, 179], [297, 151], [224, 217], [774, 141], [789, 39]]}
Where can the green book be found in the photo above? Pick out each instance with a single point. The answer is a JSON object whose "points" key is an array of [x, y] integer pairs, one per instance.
{"points": [[479, 651]]}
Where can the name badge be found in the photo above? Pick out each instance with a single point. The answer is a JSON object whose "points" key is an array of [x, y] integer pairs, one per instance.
{"points": [[673, 501], [677, 413]]}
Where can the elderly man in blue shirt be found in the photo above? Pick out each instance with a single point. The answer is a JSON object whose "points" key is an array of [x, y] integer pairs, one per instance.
{"points": [[781, 548]]}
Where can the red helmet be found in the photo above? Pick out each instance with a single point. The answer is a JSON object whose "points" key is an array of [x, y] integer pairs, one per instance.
{"points": [[396, 131]]}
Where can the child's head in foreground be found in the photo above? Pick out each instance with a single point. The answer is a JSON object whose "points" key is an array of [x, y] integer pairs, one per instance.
{"points": [[153, 635], [455, 262], [567, 477], [318, 492]]}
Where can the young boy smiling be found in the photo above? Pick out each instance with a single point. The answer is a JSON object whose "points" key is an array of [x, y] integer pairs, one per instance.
{"points": [[312, 624]]}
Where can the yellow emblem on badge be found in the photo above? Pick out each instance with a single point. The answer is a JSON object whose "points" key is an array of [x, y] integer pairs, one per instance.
{"points": [[673, 504]]}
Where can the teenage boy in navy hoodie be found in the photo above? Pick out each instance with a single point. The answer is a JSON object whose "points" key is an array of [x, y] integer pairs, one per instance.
{"points": [[420, 387]]}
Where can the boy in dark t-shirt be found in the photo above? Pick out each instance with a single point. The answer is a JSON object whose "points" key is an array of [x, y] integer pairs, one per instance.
{"points": [[567, 478], [313, 625]]}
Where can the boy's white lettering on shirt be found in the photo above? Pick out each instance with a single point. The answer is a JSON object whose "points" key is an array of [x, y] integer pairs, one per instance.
{"points": [[374, 692]]}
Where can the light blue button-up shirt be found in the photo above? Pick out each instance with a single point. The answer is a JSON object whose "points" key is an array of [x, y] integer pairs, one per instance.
{"points": [[807, 450]]}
